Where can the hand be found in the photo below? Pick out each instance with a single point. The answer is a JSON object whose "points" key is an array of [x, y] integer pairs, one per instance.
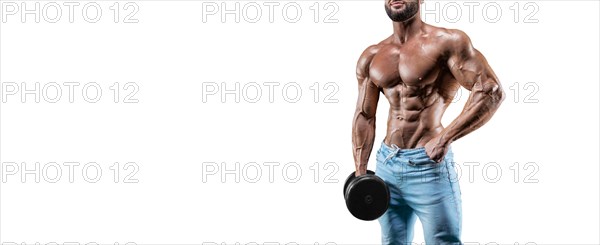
{"points": [[360, 172], [436, 149]]}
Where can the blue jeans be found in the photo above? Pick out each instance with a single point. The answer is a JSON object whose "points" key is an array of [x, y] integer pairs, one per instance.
{"points": [[419, 187]]}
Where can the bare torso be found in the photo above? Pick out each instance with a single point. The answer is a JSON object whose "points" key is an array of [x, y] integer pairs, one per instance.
{"points": [[414, 79], [419, 69]]}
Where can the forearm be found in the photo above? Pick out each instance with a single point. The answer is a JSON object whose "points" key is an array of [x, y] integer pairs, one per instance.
{"points": [[484, 101], [363, 137]]}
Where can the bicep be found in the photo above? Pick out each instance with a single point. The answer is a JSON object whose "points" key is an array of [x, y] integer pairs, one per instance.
{"points": [[368, 97], [368, 92], [470, 68]]}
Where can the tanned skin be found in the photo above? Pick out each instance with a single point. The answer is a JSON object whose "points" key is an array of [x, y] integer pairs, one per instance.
{"points": [[419, 69]]}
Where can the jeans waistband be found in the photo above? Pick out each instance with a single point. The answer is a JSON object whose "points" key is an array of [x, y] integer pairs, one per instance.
{"points": [[409, 153], [397, 150]]}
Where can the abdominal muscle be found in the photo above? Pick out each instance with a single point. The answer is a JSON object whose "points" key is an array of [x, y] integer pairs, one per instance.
{"points": [[414, 116]]}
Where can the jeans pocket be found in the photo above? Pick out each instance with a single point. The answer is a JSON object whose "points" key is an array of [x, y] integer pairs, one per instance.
{"points": [[421, 162], [421, 159]]}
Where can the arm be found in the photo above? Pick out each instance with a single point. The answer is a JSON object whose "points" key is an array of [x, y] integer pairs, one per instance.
{"points": [[471, 70], [363, 124]]}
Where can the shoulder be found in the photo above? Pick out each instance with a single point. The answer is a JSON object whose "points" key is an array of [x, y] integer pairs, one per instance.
{"points": [[362, 66], [453, 40], [458, 42], [368, 54]]}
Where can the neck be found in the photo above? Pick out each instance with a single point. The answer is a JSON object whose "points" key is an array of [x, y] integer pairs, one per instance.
{"points": [[407, 29]]}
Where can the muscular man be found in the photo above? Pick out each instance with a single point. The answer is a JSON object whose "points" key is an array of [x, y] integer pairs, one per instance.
{"points": [[419, 69]]}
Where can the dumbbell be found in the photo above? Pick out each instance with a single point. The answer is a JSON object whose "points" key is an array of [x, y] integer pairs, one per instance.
{"points": [[367, 196]]}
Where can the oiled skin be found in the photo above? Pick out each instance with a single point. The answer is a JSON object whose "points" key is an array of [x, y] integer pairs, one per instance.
{"points": [[419, 69]]}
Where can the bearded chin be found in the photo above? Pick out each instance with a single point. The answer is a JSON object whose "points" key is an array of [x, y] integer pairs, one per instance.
{"points": [[399, 16]]}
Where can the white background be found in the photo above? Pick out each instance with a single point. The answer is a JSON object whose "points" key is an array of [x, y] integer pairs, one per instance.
{"points": [[171, 133]]}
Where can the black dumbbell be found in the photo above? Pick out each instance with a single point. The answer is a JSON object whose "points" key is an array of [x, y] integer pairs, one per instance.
{"points": [[367, 196]]}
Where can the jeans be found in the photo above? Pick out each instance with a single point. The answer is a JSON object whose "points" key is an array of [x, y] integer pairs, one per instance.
{"points": [[419, 187]]}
